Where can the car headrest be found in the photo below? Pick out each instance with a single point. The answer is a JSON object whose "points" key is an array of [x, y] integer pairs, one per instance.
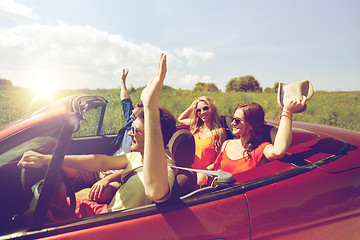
{"points": [[226, 123], [182, 148]]}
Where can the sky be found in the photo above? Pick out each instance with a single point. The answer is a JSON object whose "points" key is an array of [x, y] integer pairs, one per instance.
{"points": [[87, 43]]}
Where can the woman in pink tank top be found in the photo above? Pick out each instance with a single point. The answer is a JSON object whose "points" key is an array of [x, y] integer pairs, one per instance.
{"points": [[204, 124]]}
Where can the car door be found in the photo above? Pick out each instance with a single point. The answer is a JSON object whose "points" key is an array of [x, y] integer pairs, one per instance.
{"points": [[224, 218], [317, 200], [313, 205]]}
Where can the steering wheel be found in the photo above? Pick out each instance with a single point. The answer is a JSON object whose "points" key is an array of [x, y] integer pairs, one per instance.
{"points": [[59, 208]]}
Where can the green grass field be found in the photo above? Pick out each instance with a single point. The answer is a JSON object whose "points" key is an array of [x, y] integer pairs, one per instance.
{"points": [[338, 109]]}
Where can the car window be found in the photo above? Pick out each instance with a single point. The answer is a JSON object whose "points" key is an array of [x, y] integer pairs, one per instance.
{"points": [[89, 124]]}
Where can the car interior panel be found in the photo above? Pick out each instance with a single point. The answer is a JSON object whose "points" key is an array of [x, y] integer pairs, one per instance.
{"points": [[268, 169], [91, 145]]}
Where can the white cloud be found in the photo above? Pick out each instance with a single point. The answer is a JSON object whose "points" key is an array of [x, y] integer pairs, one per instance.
{"points": [[76, 56], [189, 81], [17, 11], [193, 56], [72, 56]]}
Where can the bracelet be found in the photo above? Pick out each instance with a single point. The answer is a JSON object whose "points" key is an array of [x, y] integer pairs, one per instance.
{"points": [[286, 115], [283, 111]]}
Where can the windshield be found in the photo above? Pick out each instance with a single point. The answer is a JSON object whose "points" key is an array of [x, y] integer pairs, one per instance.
{"points": [[41, 138]]}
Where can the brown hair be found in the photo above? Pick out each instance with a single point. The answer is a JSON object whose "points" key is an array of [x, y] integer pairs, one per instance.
{"points": [[254, 117], [139, 104], [167, 122], [215, 125]]}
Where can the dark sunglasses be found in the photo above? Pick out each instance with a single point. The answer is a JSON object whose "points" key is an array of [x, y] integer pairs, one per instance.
{"points": [[133, 129], [237, 120], [204, 109]]}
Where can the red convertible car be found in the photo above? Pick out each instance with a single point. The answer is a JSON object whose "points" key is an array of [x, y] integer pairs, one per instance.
{"points": [[311, 193]]}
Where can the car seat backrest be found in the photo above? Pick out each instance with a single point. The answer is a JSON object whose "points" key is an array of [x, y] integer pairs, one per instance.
{"points": [[226, 123], [266, 137], [182, 149]]}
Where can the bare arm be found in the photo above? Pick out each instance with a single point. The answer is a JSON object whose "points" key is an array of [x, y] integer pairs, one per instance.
{"points": [[155, 162], [223, 138], [184, 117], [92, 162], [114, 177], [273, 133], [124, 92], [202, 178], [284, 134], [98, 187]]}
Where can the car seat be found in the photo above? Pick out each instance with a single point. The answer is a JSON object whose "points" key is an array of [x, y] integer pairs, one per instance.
{"points": [[182, 149], [225, 122]]}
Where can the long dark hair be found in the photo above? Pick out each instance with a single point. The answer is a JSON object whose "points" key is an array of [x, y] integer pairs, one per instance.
{"points": [[255, 118]]}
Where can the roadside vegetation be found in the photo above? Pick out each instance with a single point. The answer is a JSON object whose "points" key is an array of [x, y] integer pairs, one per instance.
{"points": [[338, 109]]}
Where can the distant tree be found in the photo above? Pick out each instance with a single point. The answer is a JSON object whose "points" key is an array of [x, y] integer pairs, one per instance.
{"points": [[243, 84], [5, 82], [232, 85], [211, 87], [276, 87], [206, 87], [168, 88], [268, 90]]}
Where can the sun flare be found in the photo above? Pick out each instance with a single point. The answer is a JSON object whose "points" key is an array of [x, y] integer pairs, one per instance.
{"points": [[43, 91], [43, 87]]}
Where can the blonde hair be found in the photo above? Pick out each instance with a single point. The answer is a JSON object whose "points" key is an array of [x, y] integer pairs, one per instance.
{"points": [[215, 124]]}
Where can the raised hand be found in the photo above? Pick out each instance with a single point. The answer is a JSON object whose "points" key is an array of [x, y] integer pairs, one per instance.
{"points": [[124, 92], [193, 104], [151, 93], [155, 161], [284, 134], [125, 73], [294, 104]]}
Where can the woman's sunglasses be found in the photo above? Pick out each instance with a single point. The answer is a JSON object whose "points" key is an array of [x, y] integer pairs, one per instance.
{"points": [[236, 120], [198, 110]]}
